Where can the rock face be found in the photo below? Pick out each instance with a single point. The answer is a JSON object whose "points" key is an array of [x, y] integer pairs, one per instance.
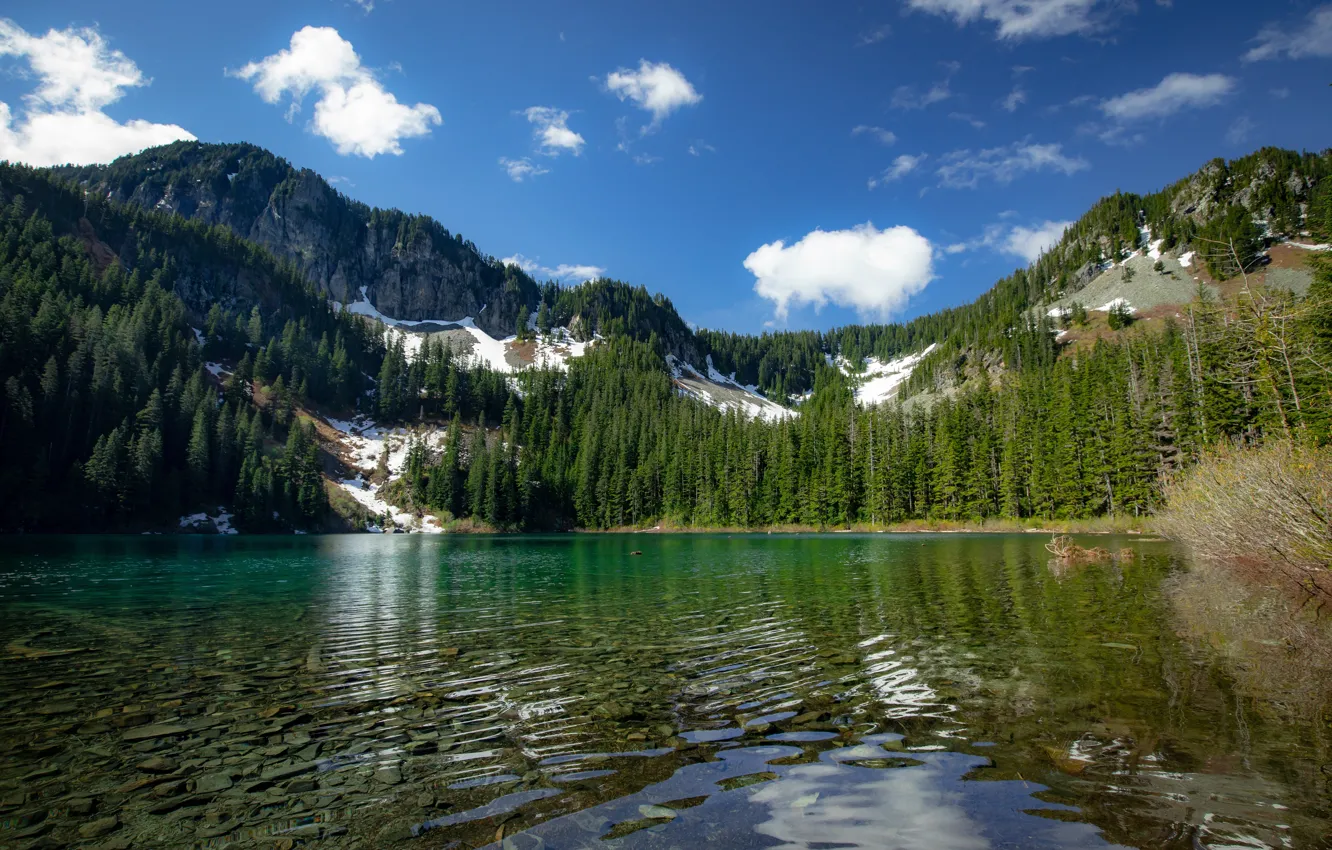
{"points": [[410, 267]]}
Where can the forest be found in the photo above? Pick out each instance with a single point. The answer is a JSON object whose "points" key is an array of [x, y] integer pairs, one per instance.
{"points": [[118, 414]]}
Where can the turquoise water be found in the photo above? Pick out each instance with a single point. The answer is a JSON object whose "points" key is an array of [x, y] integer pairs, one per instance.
{"points": [[813, 691]]}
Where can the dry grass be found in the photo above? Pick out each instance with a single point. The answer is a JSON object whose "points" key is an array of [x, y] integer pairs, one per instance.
{"points": [[1264, 513]]}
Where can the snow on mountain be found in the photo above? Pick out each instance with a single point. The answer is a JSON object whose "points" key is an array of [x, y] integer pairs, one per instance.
{"points": [[366, 443], [221, 522], [553, 350], [725, 393], [881, 381], [1116, 302]]}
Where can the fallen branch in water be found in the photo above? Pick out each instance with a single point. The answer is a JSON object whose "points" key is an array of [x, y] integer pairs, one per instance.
{"points": [[1067, 552]]}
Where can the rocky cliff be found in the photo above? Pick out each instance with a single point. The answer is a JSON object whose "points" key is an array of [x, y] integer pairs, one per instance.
{"points": [[410, 267]]}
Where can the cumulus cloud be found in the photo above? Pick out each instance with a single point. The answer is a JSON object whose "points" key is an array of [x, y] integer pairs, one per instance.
{"points": [[655, 87], [1173, 94], [1019, 19], [1030, 242], [872, 271], [77, 75], [901, 167], [571, 273], [354, 110], [521, 169], [886, 137], [965, 169], [1018, 240], [1306, 39], [552, 131]]}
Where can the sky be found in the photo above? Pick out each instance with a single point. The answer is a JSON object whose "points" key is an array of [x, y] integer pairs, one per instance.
{"points": [[766, 165]]}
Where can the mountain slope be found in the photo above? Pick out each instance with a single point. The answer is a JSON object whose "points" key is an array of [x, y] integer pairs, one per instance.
{"points": [[410, 266], [126, 404]]}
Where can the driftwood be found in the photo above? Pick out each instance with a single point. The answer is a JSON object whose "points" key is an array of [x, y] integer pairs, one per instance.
{"points": [[1067, 552]]}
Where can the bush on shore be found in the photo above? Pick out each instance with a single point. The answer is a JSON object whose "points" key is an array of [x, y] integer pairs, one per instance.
{"points": [[1264, 513]]}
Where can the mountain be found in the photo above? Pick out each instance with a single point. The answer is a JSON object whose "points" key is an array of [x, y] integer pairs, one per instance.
{"points": [[408, 266], [163, 371]]}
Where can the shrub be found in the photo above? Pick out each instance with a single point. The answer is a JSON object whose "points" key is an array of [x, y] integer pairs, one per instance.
{"points": [[1264, 512]]}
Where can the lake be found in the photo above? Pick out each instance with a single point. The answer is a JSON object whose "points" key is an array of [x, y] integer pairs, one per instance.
{"points": [[640, 691]]}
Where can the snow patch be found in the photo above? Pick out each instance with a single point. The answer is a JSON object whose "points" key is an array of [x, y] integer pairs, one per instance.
{"points": [[1114, 303], [730, 394], [217, 370], [221, 522], [1186, 260], [367, 443], [556, 349], [1310, 247], [884, 380], [553, 351]]}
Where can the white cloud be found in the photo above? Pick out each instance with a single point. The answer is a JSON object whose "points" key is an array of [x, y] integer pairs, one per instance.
{"points": [[886, 137], [1173, 94], [901, 167], [77, 75], [655, 87], [1281, 93], [354, 110], [521, 169], [1310, 38], [967, 119], [1015, 98], [965, 169], [910, 97], [874, 36], [1030, 242], [552, 131], [564, 271], [1018, 19], [872, 271], [1117, 134], [1018, 240], [1239, 132], [646, 159], [698, 148]]}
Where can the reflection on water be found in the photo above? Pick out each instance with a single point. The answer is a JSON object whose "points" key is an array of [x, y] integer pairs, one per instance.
{"points": [[749, 691]]}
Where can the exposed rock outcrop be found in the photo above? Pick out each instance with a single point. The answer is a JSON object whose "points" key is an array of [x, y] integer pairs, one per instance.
{"points": [[410, 267]]}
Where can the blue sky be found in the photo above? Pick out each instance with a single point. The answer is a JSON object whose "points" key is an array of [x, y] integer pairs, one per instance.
{"points": [[905, 153]]}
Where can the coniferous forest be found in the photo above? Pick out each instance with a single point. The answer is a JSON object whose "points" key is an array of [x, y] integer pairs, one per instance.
{"points": [[112, 418]]}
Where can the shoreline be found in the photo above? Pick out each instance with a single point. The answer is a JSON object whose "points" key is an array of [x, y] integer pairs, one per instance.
{"points": [[1105, 526]]}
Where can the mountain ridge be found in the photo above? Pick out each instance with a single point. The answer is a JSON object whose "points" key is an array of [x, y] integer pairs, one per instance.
{"points": [[410, 267]]}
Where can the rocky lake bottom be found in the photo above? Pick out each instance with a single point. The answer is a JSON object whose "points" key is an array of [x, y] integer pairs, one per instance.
{"points": [[802, 691]]}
